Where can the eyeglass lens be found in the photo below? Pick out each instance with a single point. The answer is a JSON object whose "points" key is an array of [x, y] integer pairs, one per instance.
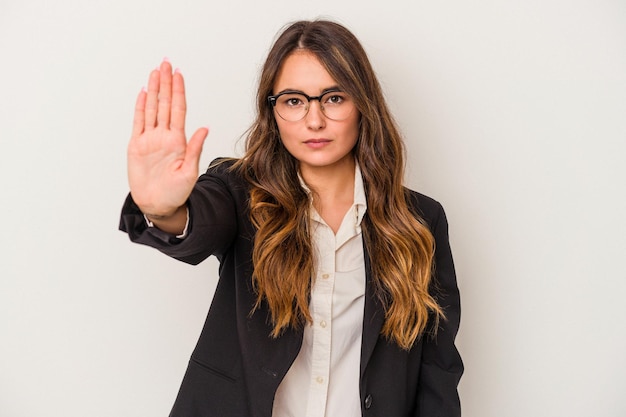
{"points": [[292, 107]]}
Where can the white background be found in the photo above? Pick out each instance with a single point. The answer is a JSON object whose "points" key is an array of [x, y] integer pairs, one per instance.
{"points": [[514, 114]]}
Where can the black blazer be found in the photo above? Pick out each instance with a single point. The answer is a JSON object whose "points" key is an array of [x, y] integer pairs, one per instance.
{"points": [[236, 367]]}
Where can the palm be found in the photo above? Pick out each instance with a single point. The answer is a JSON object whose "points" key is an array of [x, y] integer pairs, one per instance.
{"points": [[162, 166]]}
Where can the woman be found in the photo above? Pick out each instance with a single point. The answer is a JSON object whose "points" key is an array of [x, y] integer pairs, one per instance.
{"points": [[337, 294]]}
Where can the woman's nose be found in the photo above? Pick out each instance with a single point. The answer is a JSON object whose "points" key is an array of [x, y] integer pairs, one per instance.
{"points": [[315, 118]]}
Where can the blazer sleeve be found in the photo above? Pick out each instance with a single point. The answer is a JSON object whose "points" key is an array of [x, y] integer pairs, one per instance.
{"points": [[441, 366], [212, 225]]}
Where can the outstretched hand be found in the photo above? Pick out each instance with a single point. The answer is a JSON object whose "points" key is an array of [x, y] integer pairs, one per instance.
{"points": [[162, 166]]}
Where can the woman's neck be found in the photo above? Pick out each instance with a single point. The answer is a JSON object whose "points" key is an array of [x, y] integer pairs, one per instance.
{"points": [[328, 181], [332, 188]]}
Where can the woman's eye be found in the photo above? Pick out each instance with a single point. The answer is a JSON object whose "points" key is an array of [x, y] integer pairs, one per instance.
{"points": [[293, 101], [335, 99]]}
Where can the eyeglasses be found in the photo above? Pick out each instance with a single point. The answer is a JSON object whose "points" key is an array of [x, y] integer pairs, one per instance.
{"points": [[293, 106]]}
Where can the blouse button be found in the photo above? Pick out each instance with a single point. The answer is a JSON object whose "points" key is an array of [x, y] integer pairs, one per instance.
{"points": [[323, 324], [368, 402], [319, 380], [325, 276]]}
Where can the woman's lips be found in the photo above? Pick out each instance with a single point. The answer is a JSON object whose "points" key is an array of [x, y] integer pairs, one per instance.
{"points": [[317, 143]]}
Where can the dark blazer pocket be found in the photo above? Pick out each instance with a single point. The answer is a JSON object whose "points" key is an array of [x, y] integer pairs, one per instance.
{"points": [[213, 370]]}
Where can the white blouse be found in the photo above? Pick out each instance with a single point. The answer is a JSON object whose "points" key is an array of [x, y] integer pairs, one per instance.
{"points": [[323, 381]]}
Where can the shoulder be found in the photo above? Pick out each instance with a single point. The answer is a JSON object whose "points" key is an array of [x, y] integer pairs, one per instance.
{"points": [[221, 188], [222, 166], [223, 170], [429, 209]]}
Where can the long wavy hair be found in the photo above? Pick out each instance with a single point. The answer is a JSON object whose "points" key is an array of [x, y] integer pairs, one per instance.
{"points": [[399, 244]]}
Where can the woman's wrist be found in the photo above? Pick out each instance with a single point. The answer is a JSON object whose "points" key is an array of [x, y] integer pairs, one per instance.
{"points": [[174, 223], [157, 215]]}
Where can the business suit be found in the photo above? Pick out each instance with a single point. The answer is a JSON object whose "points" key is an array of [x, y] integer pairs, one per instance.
{"points": [[236, 367]]}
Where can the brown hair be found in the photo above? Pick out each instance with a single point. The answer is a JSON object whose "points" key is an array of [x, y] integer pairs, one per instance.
{"points": [[400, 246]]}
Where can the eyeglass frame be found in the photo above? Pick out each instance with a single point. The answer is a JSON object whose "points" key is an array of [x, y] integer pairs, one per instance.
{"points": [[273, 99]]}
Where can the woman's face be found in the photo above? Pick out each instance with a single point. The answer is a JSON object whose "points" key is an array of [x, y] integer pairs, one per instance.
{"points": [[315, 140]]}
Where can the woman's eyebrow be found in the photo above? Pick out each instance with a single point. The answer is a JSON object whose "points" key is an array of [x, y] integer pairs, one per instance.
{"points": [[290, 90], [333, 89], [324, 91]]}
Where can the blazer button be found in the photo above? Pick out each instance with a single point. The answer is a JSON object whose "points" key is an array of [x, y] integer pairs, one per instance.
{"points": [[368, 402]]}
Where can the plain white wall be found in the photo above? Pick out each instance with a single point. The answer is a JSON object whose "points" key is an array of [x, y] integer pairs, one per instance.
{"points": [[515, 119]]}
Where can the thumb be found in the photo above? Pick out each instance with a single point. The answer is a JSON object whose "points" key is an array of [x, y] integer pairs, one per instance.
{"points": [[194, 148]]}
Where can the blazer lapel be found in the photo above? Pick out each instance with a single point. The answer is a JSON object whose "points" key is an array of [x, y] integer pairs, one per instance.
{"points": [[373, 317]]}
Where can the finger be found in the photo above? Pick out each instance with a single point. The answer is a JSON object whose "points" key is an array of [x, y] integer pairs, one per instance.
{"points": [[140, 114], [194, 150], [165, 95], [152, 99], [179, 105]]}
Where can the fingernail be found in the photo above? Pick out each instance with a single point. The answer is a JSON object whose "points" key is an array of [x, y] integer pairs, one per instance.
{"points": [[177, 71], [166, 59]]}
